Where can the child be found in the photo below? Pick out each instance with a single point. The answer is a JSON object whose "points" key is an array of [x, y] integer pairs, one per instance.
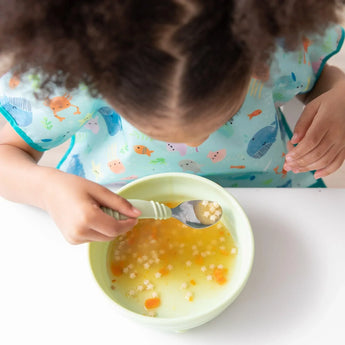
{"points": [[198, 85]]}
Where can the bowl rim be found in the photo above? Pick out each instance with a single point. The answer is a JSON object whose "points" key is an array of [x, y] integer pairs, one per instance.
{"points": [[223, 303]]}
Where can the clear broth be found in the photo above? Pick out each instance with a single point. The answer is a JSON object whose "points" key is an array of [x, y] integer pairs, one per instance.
{"points": [[164, 268]]}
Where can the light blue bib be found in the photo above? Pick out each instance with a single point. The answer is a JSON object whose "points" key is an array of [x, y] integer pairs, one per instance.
{"points": [[248, 151]]}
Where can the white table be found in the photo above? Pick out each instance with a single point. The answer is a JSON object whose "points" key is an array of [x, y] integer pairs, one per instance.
{"points": [[295, 295]]}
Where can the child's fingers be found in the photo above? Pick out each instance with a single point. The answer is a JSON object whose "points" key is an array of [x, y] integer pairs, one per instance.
{"points": [[304, 122], [109, 226], [310, 142], [331, 168], [89, 236], [324, 161], [314, 155], [94, 235], [98, 226]]}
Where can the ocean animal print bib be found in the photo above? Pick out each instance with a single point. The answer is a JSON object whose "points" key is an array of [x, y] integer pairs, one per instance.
{"points": [[247, 151]]}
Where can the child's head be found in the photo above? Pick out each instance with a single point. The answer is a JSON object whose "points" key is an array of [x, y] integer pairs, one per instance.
{"points": [[176, 69]]}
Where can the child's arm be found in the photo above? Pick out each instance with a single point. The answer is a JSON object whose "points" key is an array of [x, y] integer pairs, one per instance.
{"points": [[73, 202], [320, 130]]}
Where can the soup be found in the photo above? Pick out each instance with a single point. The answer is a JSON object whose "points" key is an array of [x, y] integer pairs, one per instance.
{"points": [[164, 268]]}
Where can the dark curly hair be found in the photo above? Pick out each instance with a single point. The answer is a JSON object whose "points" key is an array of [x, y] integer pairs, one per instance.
{"points": [[155, 54]]}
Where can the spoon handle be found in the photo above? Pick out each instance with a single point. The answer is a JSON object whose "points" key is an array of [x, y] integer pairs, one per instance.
{"points": [[149, 209]]}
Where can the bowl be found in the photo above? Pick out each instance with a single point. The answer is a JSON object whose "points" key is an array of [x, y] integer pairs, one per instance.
{"points": [[180, 187]]}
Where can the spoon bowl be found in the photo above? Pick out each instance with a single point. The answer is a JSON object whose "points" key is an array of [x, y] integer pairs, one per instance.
{"points": [[197, 214]]}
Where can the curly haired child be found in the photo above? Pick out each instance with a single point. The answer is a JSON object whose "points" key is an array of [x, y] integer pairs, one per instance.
{"points": [[153, 86]]}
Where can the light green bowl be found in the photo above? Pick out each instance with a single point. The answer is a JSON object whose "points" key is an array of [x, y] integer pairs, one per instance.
{"points": [[180, 187]]}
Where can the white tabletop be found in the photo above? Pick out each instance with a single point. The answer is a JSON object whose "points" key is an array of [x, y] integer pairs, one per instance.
{"points": [[295, 295]]}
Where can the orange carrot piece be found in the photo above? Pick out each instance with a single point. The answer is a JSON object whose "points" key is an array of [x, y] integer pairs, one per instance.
{"points": [[152, 303], [164, 271], [193, 282], [219, 275]]}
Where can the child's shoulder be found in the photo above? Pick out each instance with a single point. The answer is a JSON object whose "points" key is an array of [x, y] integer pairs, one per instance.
{"points": [[44, 117], [312, 51]]}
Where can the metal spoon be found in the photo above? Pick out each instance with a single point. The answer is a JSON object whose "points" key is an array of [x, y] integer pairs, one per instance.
{"points": [[197, 214]]}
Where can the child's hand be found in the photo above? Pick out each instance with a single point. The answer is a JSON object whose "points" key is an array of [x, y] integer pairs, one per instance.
{"points": [[319, 135], [74, 204]]}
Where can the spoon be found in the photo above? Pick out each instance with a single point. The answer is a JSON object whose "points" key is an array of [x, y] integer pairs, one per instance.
{"points": [[197, 214]]}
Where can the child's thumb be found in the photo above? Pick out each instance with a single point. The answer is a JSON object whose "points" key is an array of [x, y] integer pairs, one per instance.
{"points": [[116, 202]]}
